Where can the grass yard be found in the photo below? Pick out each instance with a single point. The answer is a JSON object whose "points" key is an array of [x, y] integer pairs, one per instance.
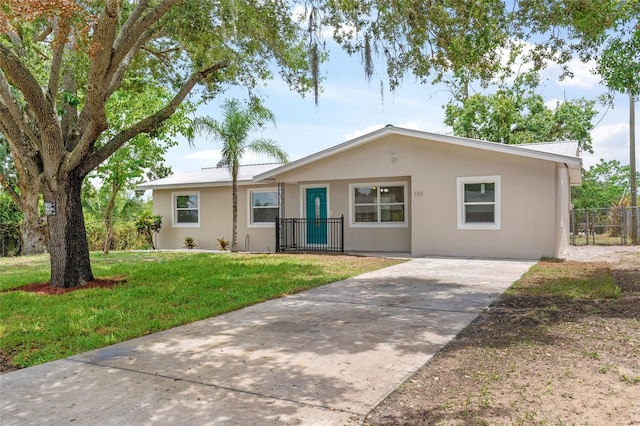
{"points": [[162, 290]]}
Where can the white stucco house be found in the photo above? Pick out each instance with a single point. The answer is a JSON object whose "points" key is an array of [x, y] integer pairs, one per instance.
{"points": [[392, 190]]}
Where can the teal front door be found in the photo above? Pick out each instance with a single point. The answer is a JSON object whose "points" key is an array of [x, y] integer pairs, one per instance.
{"points": [[316, 215]]}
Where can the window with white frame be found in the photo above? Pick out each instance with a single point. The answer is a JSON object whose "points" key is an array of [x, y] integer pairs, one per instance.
{"points": [[263, 207], [378, 204], [479, 202], [186, 211]]}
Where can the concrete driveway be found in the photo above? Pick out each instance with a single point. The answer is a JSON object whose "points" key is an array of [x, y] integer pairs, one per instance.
{"points": [[326, 356]]}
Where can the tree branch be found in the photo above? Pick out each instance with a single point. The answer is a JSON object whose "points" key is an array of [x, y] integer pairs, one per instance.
{"points": [[131, 22], [17, 74], [101, 53], [13, 115], [59, 44], [149, 123], [123, 65], [136, 31]]}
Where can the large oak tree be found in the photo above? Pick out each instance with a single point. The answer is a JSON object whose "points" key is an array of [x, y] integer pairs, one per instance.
{"points": [[63, 61]]}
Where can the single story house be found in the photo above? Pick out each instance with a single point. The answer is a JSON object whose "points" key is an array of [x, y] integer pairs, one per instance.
{"points": [[392, 190]]}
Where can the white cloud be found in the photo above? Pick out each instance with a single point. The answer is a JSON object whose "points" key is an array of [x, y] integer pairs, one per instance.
{"points": [[360, 132], [552, 104], [364, 131], [583, 76], [610, 142]]}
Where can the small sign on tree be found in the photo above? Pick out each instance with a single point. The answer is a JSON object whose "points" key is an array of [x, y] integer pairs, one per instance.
{"points": [[49, 208]]}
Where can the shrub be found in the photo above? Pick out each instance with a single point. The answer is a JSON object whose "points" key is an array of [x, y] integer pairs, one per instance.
{"points": [[125, 237], [223, 244], [148, 225], [189, 243]]}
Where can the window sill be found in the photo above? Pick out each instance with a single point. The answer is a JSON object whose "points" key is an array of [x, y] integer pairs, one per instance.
{"points": [[186, 225], [379, 225], [261, 225], [479, 227]]}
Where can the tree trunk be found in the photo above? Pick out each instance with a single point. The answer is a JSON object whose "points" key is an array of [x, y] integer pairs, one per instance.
{"points": [[108, 222], [68, 247], [234, 195], [108, 236], [33, 231]]}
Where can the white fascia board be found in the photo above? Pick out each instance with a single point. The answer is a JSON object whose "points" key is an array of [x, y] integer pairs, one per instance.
{"points": [[571, 162]]}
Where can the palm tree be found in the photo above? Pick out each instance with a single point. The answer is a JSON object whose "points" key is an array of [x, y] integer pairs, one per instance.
{"points": [[233, 132]]}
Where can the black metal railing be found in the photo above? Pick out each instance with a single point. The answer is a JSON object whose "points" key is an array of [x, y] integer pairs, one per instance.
{"points": [[310, 235]]}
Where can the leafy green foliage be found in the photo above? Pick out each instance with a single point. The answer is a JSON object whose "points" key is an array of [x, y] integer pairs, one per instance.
{"points": [[10, 220], [427, 39], [148, 225], [82, 81], [125, 236], [605, 184], [517, 114], [619, 64]]}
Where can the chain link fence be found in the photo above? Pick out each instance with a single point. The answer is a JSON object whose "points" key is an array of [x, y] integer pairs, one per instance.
{"points": [[602, 226]]}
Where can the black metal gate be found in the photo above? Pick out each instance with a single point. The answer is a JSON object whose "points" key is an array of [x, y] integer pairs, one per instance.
{"points": [[310, 235]]}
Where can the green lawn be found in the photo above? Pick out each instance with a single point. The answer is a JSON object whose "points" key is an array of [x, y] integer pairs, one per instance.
{"points": [[567, 280], [162, 290]]}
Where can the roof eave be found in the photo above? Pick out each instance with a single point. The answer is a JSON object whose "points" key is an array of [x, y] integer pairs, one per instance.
{"points": [[454, 140], [195, 185]]}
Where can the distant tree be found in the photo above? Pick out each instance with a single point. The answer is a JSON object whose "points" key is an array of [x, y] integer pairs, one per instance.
{"points": [[233, 132], [23, 188], [109, 206], [516, 114], [10, 221], [144, 152], [605, 184]]}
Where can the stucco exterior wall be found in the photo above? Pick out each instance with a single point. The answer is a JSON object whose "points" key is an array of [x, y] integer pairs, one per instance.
{"points": [[533, 205], [528, 197], [215, 219], [356, 238], [563, 201]]}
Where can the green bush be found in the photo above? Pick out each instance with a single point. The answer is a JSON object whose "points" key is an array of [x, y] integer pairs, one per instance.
{"points": [[125, 237]]}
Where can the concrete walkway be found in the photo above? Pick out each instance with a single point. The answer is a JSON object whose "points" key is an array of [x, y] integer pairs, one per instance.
{"points": [[326, 356]]}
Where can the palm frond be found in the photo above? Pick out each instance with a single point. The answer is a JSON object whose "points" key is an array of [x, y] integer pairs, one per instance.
{"points": [[270, 148]]}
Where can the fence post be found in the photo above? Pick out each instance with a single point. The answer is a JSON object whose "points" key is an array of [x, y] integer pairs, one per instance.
{"points": [[277, 234], [586, 226], [573, 229], [342, 233]]}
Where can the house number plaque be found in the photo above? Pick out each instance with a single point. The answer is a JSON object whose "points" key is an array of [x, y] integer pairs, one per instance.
{"points": [[50, 208]]}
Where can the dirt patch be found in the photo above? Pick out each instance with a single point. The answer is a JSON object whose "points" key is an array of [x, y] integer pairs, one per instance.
{"points": [[45, 288], [531, 360]]}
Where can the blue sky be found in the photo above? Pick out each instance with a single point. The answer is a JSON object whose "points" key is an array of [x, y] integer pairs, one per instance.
{"points": [[350, 106]]}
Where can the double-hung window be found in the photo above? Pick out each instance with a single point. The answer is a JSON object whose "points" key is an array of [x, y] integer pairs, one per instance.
{"points": [[378, 204], [263, 206], [479, 202], [186, 209]]}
